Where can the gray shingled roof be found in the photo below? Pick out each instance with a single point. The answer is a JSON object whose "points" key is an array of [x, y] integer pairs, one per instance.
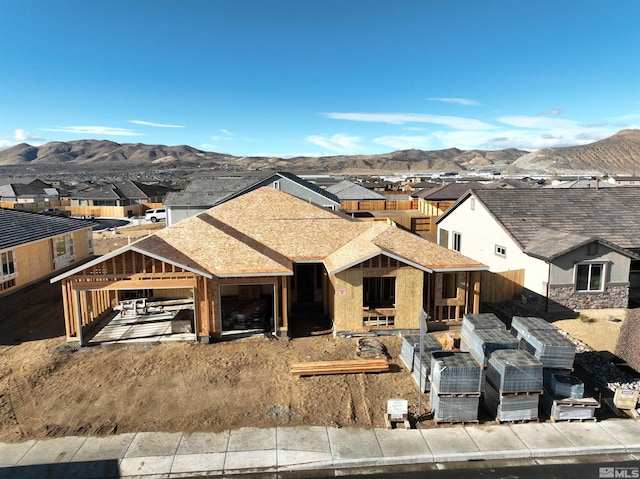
{"points": [[449, 192], [346, 190], [20, 227], [611, 214], [215, 190]]}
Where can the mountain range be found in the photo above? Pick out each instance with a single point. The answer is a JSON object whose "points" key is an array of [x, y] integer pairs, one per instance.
{"points": [[618, 154]]}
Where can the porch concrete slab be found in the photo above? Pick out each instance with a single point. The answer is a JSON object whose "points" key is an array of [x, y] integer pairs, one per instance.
{"points": [[203, 443], [626, 431], [451, 444], [194, 463], [158, 466], [154, 444], [52, 451], [252, 439], [543, 439], [401, 442], [498, 442], [250, 461], [10, 454], [354, 443], [304, 438], [589, 437], [104, 448]]}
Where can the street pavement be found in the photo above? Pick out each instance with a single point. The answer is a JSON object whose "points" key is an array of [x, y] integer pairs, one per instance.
{"points": [[335, 451]]}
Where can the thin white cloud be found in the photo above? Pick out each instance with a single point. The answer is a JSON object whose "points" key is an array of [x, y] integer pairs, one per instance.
{"points": [[22, 135], [454, 122], [226, 132], [457, 101], [538, 122], [338, 143], [556, 111], [158, 125], [94, 130]]}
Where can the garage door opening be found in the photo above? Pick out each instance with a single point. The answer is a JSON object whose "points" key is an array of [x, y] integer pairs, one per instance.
{"points": [[157, 315], [247, 308]]}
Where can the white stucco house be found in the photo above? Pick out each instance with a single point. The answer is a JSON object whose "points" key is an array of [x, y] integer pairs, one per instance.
{"points": [[579, 248]]}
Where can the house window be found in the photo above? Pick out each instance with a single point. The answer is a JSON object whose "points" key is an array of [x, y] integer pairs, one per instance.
{"points": [[276, 184], [379, 291], [8, 264], [590, 277], [64, 250], [456, 242], [501, 251], [472, 204], [443, 238]]}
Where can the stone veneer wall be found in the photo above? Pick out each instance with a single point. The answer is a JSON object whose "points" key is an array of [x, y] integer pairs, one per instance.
{"points": [[614, 296]]}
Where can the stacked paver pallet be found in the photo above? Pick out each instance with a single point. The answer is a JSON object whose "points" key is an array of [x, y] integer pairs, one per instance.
{"points": [[557, 354], [482, 334], [420, 367], [513, 385], [456, 382]]}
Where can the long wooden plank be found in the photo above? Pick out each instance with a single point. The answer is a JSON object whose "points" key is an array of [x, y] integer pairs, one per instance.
{"points": [[349, 366]]}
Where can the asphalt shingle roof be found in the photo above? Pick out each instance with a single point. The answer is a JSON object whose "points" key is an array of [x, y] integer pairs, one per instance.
{"points": [[612, 214], [346, 190], [21, 227]]}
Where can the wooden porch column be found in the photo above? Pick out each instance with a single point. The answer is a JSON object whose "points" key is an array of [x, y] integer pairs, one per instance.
{"points": [[285, 303], [475, 280]]}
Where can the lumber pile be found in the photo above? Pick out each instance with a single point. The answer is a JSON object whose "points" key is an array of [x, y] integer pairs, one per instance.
{"points": [[347, 366]]}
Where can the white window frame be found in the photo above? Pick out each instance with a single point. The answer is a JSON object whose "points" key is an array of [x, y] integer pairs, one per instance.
{"points": [[456, 241], [276, 184], [501, 251], [590, 266], [61, 259], [8, 257]]}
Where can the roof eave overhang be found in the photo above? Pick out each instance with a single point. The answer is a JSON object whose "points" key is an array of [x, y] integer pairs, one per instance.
{"points": [[254, 275]]}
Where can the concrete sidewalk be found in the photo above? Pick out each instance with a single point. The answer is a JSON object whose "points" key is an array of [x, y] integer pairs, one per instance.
{"points": [[288, 449]]}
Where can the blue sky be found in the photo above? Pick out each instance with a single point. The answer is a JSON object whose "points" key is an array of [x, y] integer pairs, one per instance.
{"points": [[319, 77]]}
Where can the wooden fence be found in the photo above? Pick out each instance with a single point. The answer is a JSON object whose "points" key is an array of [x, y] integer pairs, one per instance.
{"points": [[97, 211], [377, 205], [505, 286]]}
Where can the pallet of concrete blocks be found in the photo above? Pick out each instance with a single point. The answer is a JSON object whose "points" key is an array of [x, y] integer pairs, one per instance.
{"points": [[455, 373], [550, 347], [481, 343], [511, 407], [410, 348], [519, 324], [513, 386], [474, 322], [513, 371], [456, 384], [569, 409]]}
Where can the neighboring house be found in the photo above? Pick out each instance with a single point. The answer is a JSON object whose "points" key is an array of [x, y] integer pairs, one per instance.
{"points": [[33, 246], [21, 193], [581, 183], [578, 248], [272, 252], [121, 198], [354, 197], [202, 194], [625, 180], [435, 201]]}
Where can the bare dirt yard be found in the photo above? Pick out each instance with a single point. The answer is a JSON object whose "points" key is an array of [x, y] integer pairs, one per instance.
{"points": [[48, 390]]}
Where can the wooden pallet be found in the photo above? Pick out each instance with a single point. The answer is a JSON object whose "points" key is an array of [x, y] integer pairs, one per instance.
{"points": [[517, 421], [469, 421], [348, 366], [590, 419]]}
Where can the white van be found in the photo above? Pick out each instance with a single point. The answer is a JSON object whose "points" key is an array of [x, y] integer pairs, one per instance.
{"points": [[158, 214]]}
